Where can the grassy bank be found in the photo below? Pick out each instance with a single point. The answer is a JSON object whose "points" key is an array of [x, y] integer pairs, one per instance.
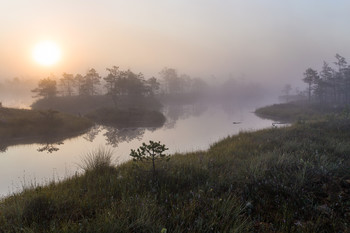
{"points": [[296, 111], [292, 179], [21, 125]]}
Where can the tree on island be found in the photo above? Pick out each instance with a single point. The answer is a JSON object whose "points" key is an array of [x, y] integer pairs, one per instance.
{"points": [[89, 83], [67, 84], [47, 88], [111, 79], [153, 85]]}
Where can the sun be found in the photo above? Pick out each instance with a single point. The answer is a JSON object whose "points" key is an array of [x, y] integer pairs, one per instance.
{"points": [[46, 53]]}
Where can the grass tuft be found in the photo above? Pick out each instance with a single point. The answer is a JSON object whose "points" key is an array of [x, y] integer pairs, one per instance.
{"points": [[97, 160]]}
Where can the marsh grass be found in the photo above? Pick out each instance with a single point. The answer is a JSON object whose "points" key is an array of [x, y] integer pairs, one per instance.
{"points": [[100, 159], [290, 179], [296, 111]]}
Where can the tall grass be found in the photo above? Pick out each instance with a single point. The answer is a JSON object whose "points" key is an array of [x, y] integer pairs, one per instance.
{"points": [[97, 160]]}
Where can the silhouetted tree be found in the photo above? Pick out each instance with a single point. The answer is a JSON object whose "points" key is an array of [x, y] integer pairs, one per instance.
{"points": [[111, 79], [339, 79], [328, 81], [135, 84], [341, 62], [67, 83], [153, 85], [90, 81], [309, 76], [79, 83], [47, 88], [330, 86]]}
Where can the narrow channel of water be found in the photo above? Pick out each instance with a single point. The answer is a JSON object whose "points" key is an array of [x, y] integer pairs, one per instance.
{"points": [[188, 128]]}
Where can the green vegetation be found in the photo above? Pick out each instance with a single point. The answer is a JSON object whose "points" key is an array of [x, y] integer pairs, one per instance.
{"points": [[23, 124], [152, 151], [296, 111], [289, 179]]}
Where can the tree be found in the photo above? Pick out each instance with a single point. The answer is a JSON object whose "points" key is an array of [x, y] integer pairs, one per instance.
{"points": [[309, 76], [339, 79], [153, 85], [171, 79], [79, 82], [327, 74], [153, 151], [90, 81], [135, 84], [341, 62], [111, 79], [67, 82], [47, 88]]}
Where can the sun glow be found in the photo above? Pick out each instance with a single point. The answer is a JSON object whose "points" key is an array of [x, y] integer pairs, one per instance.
{"points": [[46, 53]]}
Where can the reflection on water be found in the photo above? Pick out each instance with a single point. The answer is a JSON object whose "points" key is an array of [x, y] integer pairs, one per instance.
{"points": [[50, 147], [187, 128], [93, 132], [3, 147], [177, 112], [114, 135]]}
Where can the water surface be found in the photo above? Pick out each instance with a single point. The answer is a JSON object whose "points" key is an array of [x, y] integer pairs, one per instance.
{"points": [[188, 128]]}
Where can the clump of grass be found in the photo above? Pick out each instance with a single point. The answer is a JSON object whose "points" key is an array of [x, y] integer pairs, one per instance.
{"points": [[97, 160]]}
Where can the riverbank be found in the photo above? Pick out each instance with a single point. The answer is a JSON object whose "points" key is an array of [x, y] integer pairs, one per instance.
{"points": [[296, 111], [289, 179]]}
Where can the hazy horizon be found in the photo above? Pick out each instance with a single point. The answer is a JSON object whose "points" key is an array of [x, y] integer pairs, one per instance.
{"points": [[270, 42]]}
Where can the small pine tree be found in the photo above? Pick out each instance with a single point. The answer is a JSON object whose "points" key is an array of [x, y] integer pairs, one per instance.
{"points": [[151, 151]]}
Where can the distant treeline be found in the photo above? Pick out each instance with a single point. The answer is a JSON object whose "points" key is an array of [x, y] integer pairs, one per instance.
{"points": [[118, 83], [330, 85]]}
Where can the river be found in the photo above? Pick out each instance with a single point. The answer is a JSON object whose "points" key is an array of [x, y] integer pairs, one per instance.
{"points": [[188, 128]]}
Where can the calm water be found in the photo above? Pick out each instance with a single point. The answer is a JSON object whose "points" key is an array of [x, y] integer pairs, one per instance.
{"points": [[188, 128]]}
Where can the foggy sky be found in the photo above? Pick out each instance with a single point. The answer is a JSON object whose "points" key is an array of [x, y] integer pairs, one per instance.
{"points": [[270, 40]]}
